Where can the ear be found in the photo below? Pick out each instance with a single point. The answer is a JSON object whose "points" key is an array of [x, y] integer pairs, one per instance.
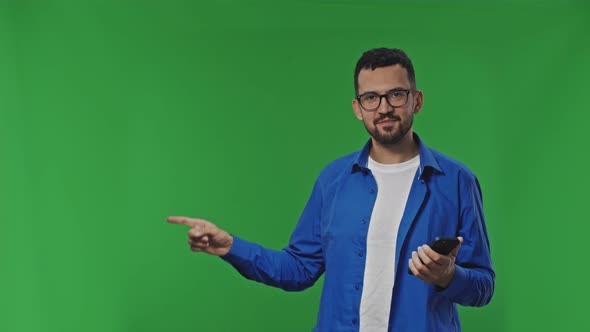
{"points": [[419, 101], [357, 109]]}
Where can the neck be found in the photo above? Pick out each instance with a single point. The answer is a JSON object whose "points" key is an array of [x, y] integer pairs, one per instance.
{"points": [[404, 150]]}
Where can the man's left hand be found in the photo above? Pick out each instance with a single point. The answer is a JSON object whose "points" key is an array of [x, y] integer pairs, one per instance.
{"points": [[432, 267]]}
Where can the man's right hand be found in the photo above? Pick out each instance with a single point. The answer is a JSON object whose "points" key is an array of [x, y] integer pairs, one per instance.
{"points": [[205, 236]]}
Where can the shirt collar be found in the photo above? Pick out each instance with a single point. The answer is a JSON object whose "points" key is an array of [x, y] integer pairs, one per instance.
{"points": [[427, 160]]}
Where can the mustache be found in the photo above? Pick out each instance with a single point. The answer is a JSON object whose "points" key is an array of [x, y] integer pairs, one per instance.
{"points": [[387, 116]]}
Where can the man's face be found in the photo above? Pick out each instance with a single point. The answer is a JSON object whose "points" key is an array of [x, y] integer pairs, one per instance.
{"points": [[387, 125]]}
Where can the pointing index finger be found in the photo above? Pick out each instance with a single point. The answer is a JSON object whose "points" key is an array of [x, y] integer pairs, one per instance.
{"points": [[182, 221]]}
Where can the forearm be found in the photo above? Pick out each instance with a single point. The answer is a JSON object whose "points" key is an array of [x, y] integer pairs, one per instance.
{"points": [[285, 269], [474, 280]]}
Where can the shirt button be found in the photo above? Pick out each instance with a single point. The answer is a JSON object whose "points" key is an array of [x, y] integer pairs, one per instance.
{"points": [[357, 286], [354, 322], [360, 254], [372, 191], [364, 221]]}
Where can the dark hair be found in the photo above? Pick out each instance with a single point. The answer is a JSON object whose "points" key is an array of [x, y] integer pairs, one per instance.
{"points": [[383, 57]]}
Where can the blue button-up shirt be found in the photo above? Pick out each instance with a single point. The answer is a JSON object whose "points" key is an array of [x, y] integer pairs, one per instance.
{"points": [[331, 238]]}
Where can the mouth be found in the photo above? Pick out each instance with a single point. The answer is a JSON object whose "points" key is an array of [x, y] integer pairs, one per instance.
{"points": [[387, 121]]}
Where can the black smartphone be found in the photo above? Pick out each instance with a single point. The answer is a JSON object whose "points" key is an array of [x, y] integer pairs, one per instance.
{"points": [[442, 245]]}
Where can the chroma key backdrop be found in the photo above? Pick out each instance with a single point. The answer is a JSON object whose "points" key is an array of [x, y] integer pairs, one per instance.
{"points": [[116, 114]]}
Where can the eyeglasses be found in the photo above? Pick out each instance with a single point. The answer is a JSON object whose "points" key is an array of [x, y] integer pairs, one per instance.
{"points": [[371, 101]]}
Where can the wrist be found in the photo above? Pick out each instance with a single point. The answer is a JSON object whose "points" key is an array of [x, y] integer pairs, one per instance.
{"points": [[444, 283], [228, 246]]}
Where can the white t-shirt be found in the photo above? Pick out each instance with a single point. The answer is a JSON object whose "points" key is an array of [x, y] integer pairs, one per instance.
{"points": [[393, 183]]}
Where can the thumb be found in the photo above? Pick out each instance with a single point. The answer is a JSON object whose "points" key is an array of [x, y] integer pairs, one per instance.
{"points": [[456, 249], [201, 228]]}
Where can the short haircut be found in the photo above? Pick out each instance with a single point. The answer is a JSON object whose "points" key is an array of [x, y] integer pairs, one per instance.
{"points": [[383, 57]]}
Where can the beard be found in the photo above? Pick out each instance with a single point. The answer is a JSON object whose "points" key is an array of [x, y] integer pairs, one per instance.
{"points": [[388, 135]]}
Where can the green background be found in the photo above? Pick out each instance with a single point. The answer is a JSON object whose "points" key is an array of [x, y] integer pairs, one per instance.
{"points": [[116, 114]]}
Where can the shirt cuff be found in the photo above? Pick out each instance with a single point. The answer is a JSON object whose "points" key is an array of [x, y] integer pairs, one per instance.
{"points": [[239, 251], [457, 285]]}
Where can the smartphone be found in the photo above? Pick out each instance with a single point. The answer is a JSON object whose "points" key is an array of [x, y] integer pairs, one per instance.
{"points": [[442, 245]]}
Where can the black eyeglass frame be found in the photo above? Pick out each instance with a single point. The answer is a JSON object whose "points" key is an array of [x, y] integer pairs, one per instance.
{"points": [[407, 91]]}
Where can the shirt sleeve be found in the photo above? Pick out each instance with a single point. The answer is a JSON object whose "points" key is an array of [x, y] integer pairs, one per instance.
{"points": [[295, 267], [473, 283]]}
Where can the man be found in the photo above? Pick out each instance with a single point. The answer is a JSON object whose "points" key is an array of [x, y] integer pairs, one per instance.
{"points": [[369, 218]]}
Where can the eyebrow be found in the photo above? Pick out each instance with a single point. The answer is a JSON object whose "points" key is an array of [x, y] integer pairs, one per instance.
{"points": [[388, 91]]}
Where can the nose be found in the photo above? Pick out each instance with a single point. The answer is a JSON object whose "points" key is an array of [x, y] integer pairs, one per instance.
{"points": [[384, 106]]}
